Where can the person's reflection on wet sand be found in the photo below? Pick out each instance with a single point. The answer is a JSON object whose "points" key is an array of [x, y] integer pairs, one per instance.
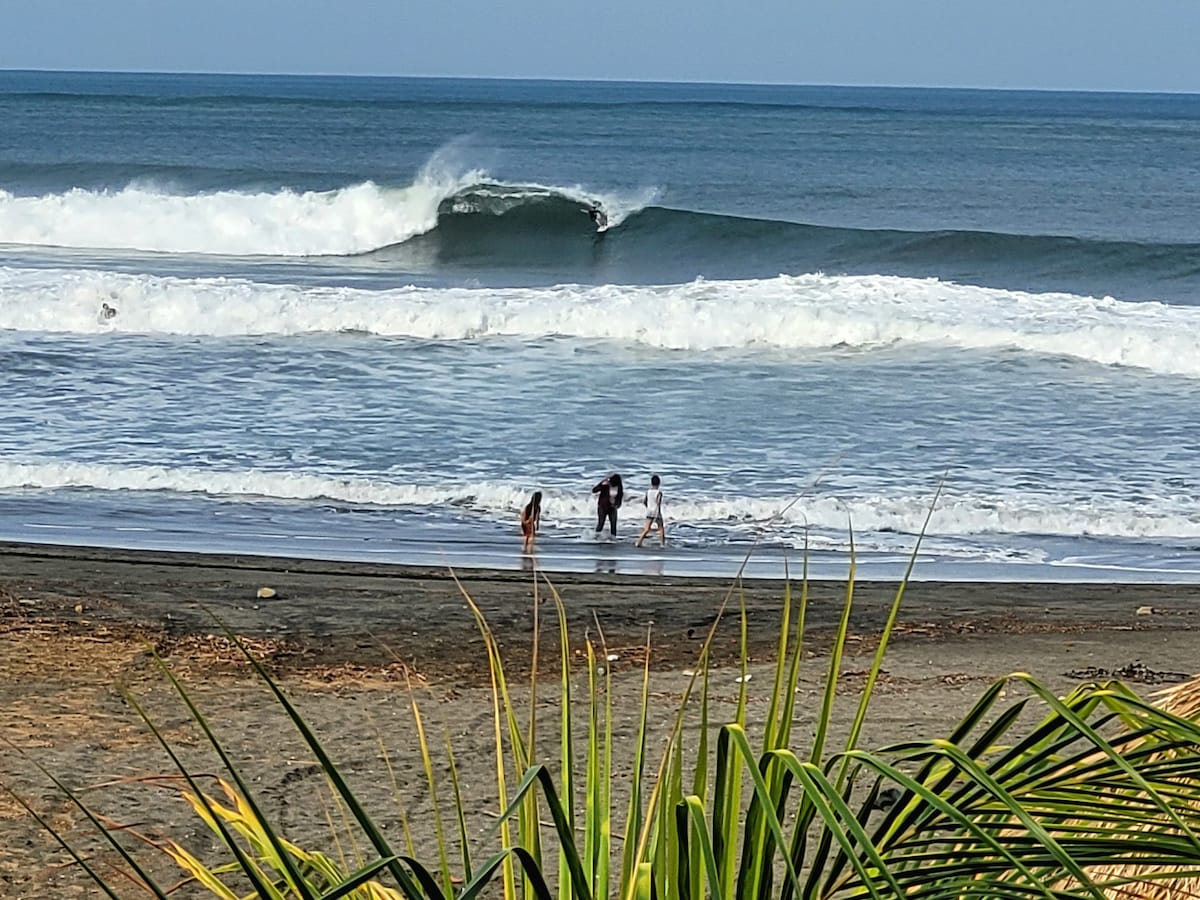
{"points": [[607, 565]]}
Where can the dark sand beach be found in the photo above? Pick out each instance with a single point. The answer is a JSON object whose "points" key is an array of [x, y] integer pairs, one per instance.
{"points": [[345, 640]]}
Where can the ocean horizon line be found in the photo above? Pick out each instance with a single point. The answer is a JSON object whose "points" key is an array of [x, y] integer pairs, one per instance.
{"points": [[567, 81]]}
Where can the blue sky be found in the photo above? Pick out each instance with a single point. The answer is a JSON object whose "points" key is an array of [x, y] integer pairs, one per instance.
{"points": [[1051, 44]]}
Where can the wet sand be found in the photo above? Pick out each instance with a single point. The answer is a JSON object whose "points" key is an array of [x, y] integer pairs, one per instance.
{"points": [[345, 639]]}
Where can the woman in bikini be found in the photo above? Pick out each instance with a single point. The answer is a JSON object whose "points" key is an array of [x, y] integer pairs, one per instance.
{"points": [[531, 518]]}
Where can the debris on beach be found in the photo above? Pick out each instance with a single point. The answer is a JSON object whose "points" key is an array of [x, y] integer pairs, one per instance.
{"points": [[1134, 671], [266, 593], [206, 649], [1145, 610]]}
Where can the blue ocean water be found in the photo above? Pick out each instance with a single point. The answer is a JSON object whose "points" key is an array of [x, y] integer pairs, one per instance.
{"points": [[365, 318]]}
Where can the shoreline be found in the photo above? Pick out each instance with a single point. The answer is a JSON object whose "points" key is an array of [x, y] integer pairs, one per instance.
{"points": [[499, 549]]}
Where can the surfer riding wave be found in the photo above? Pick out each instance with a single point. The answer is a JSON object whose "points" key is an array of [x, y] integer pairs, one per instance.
{"points": [[598, 216]]}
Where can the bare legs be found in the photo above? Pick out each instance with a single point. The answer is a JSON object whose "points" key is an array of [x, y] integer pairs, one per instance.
{"points": [[651, 523]]}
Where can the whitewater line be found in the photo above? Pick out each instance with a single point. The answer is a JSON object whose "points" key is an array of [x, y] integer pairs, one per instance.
{"points": [[787, 312], [1013, 513]]}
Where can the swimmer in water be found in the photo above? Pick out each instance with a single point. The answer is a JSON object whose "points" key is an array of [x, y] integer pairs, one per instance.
{"points": [[107, 312]]}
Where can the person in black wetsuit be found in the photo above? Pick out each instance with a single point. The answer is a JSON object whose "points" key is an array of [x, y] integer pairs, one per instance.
{"points": [[598, 217], [609, 494]]}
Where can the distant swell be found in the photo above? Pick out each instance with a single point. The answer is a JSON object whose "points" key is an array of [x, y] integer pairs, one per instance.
{"points": [[784, 313], [656, 244]]}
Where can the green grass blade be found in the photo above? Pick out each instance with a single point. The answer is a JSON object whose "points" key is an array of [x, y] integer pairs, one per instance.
{"points": [[357, 879], [1018, 812], [591, 787], [772, 726], [916, 791], [726, 811], [531, 831], [741, 745], [825, 714], [633, 817], [540, 776], [700, 772], [249, 869], [566, 741], [460, 812], [431, 780], [807, 813], [534, 654], [423, 877], [667, 856], [602, 877], [729, 821], [597, 821], [501, 708], [533, 875], [744, 656], [646, 837], [331, 772], [699, 839], [784, 733], [643, 886], [687, 857], [885, 635], [758, 846], [1105, 747]]}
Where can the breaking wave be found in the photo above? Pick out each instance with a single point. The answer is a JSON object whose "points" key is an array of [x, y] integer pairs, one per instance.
{"points": [[463, 217], [966, 514], [351, 220], [783, 313]]}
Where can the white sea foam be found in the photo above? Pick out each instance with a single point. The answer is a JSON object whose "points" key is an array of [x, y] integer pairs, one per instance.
{"points": [[787, 312], [350, 220], [570, 506]]}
